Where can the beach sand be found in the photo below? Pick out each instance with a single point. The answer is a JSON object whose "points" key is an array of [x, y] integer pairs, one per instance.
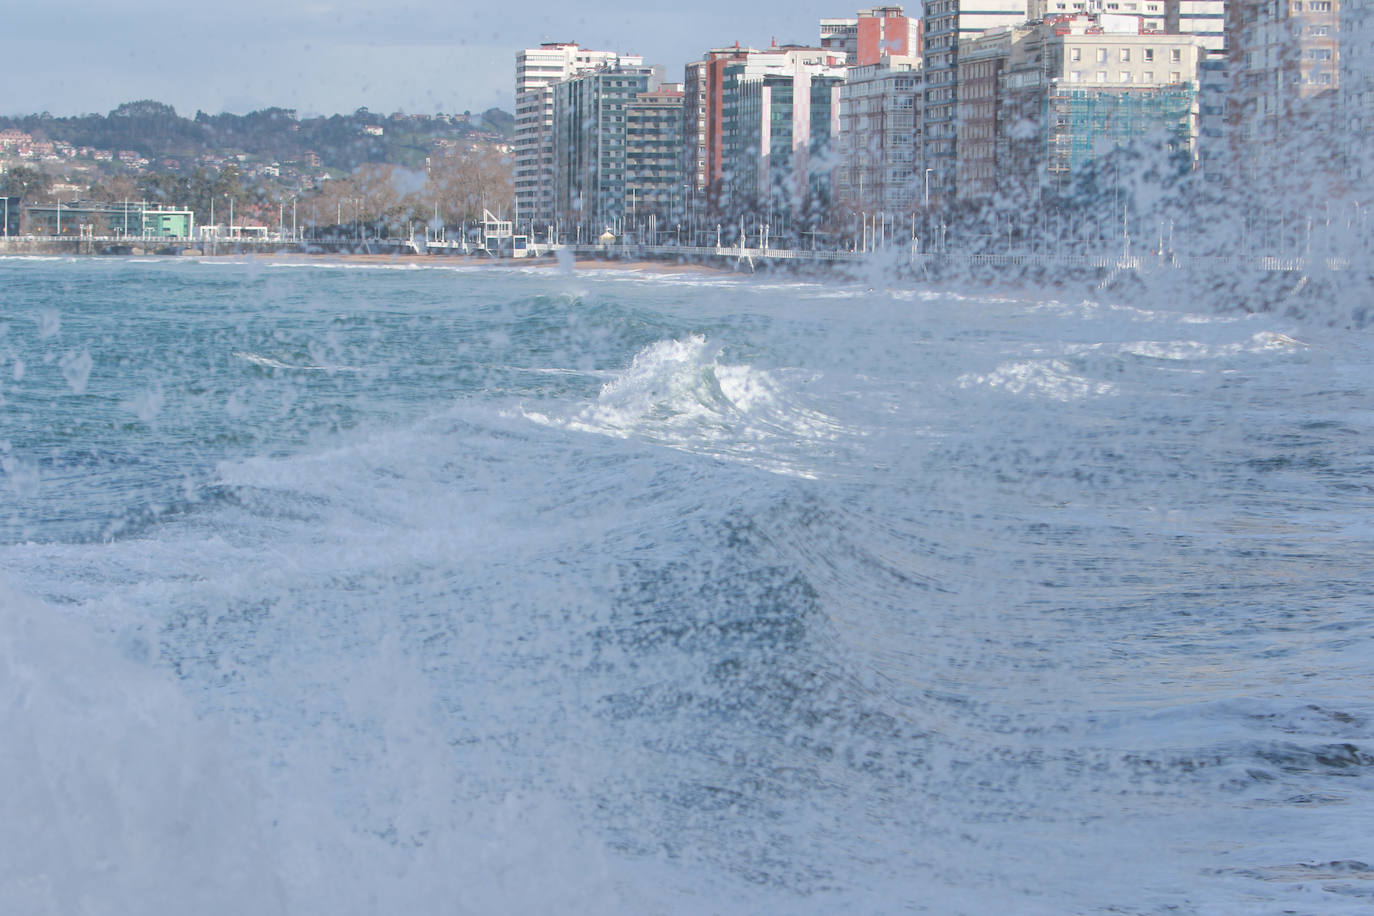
{"points": [[723, 271]]}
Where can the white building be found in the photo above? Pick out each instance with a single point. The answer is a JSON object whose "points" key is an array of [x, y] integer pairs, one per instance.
{"points": [[1152, 14], [841, 38], [1204, 18], [880, 137], [536, 72]]}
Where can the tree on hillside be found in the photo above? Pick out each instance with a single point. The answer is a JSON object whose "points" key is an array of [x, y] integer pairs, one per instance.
{"points": [[503, 122], [115, 189], [196, 192], [26, 182]]}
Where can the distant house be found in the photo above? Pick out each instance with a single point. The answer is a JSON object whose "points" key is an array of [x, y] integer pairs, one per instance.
{"points": [[11, 140]]}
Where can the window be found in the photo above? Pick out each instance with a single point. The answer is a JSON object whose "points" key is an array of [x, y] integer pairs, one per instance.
{"points": [[1125, 55], [1149, 54], [1176, 55], [1075, 76], [1101, 55], [1148, 76], [1125, 76], [1101, 76], [1175, 76], [1076, 54]]}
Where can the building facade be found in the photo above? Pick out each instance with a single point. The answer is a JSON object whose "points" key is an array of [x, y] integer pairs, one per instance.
{"points": [[1150, 15], [945, 25], [122, 220], [882, 31], [1203, 18], [982, 61], [694, 137], [879, 130], [537, 70], [1072, 92], [654, 180], [590, 172], [1283, 75], [1357, 92], [780, 116], [703, 128]]}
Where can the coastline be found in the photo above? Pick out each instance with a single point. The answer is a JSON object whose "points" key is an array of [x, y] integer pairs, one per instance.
{"points": [[723, 270], [545, 263]]}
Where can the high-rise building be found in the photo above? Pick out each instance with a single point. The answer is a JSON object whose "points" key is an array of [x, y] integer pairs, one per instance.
{"points": [[1284, 76], [982, 61], [886, 31], [879, 137], [1357, 90], [536, 72], [780, 113], [946, 24], [591, 185], [694, 136], [841, 38], [703, 129], [654, 185], [1203, 18]]}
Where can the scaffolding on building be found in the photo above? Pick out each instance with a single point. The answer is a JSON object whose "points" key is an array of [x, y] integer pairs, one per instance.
{"points": [[1084, 124]]}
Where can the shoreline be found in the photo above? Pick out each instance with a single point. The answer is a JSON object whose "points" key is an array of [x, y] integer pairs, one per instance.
{"points": [[580, 265], [541, 263]]}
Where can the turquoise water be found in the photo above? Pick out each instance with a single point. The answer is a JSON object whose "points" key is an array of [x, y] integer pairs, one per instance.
{"points": [[365, 589]]}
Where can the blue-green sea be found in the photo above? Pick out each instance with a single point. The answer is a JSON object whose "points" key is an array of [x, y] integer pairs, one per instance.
{"points": [[396, 588]]}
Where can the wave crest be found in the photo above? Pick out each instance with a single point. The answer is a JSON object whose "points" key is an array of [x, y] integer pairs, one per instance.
{"points": [[678, 393]]}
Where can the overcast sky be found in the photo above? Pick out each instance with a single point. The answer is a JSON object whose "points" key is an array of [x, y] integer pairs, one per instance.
{"points": [[328, 56]]}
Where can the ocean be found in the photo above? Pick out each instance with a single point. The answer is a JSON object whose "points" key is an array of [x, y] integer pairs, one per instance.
{"points": [[381, 588]]}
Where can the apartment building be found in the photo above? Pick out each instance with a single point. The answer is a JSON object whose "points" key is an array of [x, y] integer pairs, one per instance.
{"points": [[780, 114], [879, 131], [1072, 90], [537, 70], [1357, 91], [703, 128], [654, 181], [982, 61], [591, 185], [1203, 18], [1284, 79], [946, 24], [694, 129]]}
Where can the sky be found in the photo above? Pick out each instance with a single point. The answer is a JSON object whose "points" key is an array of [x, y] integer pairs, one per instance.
{"points": [[334, 56]]}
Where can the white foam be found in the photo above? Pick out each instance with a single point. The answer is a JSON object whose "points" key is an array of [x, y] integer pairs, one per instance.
{"points": [[677, 393]]}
